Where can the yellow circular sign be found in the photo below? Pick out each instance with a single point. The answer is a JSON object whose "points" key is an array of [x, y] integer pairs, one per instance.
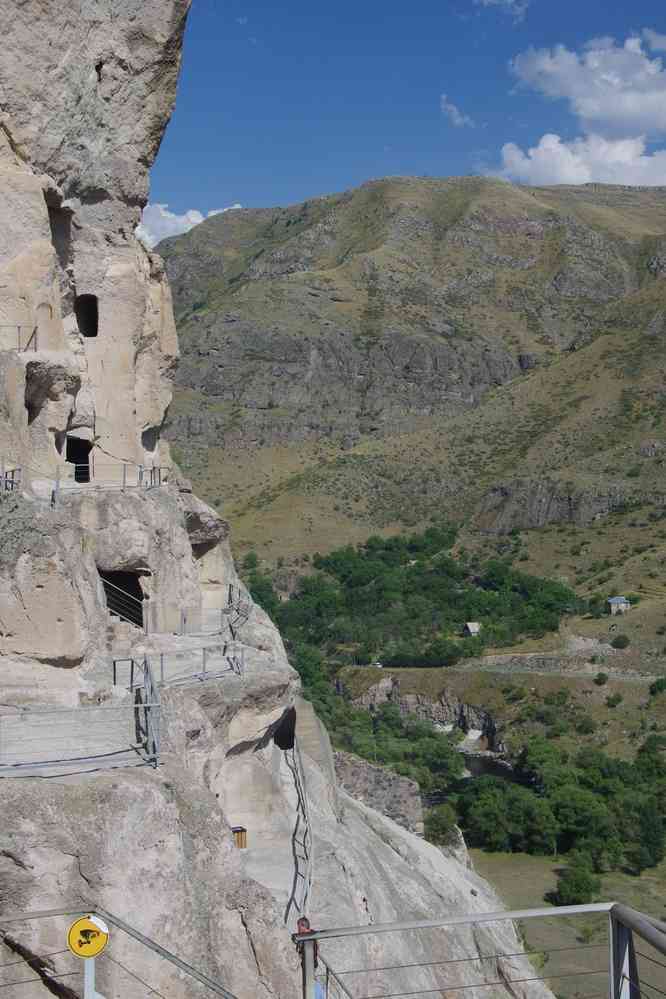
{"points": [[88, 936]]}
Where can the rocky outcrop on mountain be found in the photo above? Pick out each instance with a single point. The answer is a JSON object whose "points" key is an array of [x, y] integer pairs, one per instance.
{"points": [[530, 503], [397, 797], [336, 384], [446, 710], [419, 347], [349, 313]]}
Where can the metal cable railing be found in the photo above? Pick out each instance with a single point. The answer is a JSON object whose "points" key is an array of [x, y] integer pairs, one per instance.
{"points": [[620, 972], [149, 699], [123, 604], [207, 662], [114, 476], [10, 479], [34, 740], [238, 608], [18, 336], [196, 621]]}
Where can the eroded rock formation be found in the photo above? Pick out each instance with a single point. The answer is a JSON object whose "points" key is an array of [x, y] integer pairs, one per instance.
{"points": [[396, 797]]}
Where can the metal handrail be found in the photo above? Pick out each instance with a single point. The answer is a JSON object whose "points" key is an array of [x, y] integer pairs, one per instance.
{"points": [[10, 479], [120, 924], [331, 976], [239, 606], [13, 762], [33, 336], [465, 920], [18, 327], [623, 923], [151, 694], [119, 589], [653, 931], [302, 815]]}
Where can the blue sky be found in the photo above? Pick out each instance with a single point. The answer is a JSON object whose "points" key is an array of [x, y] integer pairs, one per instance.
{"points": [[279, 103]]}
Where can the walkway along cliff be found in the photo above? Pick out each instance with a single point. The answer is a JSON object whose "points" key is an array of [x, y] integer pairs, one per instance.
{"points": [[131, 658]]}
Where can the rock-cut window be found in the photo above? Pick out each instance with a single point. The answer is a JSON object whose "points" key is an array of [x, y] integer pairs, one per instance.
{"points": [[87, 314]]}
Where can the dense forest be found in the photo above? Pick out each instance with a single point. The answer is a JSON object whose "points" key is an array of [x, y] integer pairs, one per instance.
{"points": [[405, 600]]}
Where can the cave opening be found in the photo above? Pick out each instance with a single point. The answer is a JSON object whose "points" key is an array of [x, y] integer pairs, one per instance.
{"points": [[86, 309], [285, 730], [77, 453], [124, 595], [149, 438]]}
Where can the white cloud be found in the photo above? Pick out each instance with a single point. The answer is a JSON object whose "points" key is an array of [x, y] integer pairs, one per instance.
{"points": [[618, 93], [157, 222], [517, 8], [454, 114], [584, 160], [613, 89], [655, 40]]}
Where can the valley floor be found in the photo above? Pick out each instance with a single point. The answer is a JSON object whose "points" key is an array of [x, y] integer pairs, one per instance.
{"points": [[522, 881]]}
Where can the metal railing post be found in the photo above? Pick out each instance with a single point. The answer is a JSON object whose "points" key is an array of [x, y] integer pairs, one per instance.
{"points": [[308, 958], [624, 970], [203, 660], [124, 476], [161, 667]]}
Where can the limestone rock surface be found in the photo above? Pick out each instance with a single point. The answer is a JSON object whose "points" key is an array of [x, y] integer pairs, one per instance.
{"points": [[399, 798]]}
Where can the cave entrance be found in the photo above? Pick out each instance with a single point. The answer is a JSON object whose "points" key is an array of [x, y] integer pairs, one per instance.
{"points": [[86, 309], [78, 454], [284, 734], [124, 596]]}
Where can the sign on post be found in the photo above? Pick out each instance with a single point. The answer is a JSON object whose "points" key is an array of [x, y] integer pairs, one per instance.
{"points": [[87, 937]]}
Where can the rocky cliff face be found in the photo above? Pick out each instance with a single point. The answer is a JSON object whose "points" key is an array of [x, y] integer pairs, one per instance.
{"points": [[89, 823], [447, 710], [419, 346], [396, 797]]}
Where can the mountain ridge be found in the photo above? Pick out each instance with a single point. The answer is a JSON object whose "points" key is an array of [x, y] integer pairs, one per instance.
{"points": [[351, 345]]}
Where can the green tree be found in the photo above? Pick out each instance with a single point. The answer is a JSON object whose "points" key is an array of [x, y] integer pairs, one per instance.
{"points": [[580, 814], [577, 884], [440, 825], [250, 562]]}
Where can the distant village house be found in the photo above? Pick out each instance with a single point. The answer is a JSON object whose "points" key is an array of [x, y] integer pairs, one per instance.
{"points": [[618, 605], [472, 628]]}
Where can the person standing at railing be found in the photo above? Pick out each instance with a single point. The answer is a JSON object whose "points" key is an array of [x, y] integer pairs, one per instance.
{"points": [[303, 927]]}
